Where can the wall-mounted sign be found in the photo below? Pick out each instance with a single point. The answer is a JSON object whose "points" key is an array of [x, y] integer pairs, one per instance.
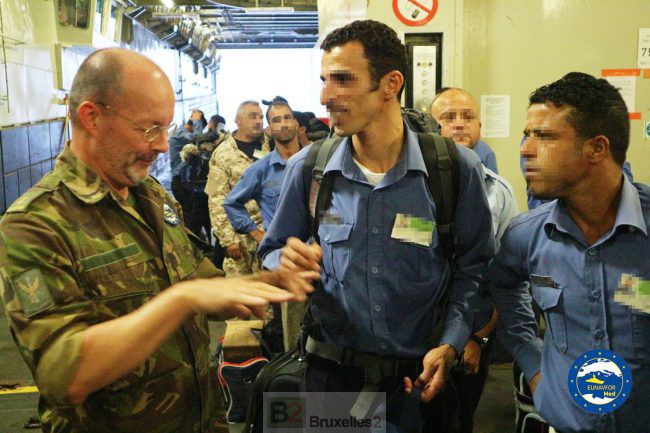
{"points": [[415, 12]]}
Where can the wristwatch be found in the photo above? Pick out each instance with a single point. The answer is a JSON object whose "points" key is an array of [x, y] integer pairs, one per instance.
{"points": [[481, 341]]}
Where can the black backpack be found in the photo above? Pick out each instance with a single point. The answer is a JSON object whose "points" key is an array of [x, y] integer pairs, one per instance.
{"points": [[441, 160]]}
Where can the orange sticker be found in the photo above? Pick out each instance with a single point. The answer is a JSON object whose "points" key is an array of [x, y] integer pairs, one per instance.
{"points": [[621, 72], [646, 73], [635, 116]]}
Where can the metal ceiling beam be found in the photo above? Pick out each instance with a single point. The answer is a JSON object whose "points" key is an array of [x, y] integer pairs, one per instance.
{"points": [[298, 5]]}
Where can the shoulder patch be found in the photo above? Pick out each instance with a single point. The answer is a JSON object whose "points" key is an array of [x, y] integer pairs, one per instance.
{"points": [[31, 291]]}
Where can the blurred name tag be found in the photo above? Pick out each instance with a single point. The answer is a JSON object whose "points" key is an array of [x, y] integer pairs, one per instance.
{"points": [[412, 229]]}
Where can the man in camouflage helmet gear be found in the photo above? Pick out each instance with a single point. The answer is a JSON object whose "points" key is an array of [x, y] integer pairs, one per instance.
{"points": [[105, 294], [229, 161]]}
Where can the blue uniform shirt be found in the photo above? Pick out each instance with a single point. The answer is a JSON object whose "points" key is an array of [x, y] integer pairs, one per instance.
{"points": [[260, 182], [381, 294], [486, 155], [580, 310]]}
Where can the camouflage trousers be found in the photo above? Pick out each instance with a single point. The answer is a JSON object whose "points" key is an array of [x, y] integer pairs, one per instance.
{"points": [[248, 263]]}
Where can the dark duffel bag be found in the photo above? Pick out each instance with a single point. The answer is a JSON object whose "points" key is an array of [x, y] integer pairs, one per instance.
{"points": [[283, 374]]}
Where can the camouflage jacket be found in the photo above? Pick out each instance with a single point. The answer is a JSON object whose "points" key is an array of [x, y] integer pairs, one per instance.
{"points": [[227, 165], [74, 254]]}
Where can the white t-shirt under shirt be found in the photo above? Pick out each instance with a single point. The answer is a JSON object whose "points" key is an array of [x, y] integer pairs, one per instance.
{"points": [[373, 178]]}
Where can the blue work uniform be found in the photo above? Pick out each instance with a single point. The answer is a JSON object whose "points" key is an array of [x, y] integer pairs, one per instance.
{"points": [[381, 294], [260, 182], [486, 155], [574, 284]]}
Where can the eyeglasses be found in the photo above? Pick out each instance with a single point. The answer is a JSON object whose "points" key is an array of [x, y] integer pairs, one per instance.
{"points": [[149, 134]]}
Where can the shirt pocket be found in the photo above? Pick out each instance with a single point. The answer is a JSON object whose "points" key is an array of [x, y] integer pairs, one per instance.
{"points": [[415, 262], [335, 241], [271, 193], [119, 273], [641, 336], [549, 300]]}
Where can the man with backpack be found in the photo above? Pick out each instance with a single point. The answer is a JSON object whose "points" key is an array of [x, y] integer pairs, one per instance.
{"points": [[378, 245]]}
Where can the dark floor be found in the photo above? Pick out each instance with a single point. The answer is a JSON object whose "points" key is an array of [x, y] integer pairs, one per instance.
{"points": [[495, 413]]}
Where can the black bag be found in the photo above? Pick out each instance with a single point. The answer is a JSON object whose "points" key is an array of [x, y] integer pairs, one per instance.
{"points": [[236, 381], [282, 374]]}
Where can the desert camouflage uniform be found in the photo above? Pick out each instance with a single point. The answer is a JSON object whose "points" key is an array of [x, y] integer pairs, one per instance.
{"points": [[74, 254], [227, 165]]}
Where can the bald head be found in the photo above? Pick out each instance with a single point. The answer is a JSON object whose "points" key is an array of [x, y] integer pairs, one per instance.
{"points": [[112, 75], [458, 114]]}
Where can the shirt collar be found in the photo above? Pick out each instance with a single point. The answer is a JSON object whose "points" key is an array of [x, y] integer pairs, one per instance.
{"points": [[411, 159], [629, 214], [80, 179], [276, 158]]}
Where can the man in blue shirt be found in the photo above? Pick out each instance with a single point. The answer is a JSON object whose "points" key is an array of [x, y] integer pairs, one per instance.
{"points": [[262, 180], [457, 113], [578, 253], [382, 268]]}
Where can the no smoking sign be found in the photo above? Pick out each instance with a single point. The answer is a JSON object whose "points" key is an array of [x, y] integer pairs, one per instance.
{"points": [[415, 12]]}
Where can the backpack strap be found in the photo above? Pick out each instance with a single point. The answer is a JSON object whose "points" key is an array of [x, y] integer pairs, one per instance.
{"points": [[441, 160], [318, 187]]}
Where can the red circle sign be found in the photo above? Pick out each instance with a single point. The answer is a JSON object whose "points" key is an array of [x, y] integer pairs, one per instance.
{"points": [[415, 12]]}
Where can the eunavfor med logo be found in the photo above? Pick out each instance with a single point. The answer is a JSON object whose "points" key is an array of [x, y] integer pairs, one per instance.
{"points": [[600, 381]]}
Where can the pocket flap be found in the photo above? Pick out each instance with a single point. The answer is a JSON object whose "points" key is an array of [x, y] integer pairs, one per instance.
{"points": [[330, 233], [546, 297], [109, 262]]}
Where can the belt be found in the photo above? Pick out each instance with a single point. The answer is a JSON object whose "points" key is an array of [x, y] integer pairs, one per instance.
{"points": [[375, 367]]}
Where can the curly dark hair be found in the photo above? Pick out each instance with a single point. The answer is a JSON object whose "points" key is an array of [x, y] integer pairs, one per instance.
{"points": [[597, 108], [381, 46]]}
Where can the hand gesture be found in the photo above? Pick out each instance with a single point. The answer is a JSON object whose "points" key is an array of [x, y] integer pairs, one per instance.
{"points": [[437, 363]]}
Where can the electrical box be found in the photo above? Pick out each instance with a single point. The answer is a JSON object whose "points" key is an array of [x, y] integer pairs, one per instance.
{"points": [[425, 67]]}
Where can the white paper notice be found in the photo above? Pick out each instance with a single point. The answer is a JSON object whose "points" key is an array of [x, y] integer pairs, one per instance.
{"points": [[627, 87], [495, 116], [644, 48]]}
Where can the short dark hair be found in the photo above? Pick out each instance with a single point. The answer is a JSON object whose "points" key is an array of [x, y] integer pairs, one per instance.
{"points": [[217, 119], [381, 46], [597, 108], [276, 103]]}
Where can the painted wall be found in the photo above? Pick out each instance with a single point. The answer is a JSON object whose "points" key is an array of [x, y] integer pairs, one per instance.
{"points": [[514, 46], [447, 20]]}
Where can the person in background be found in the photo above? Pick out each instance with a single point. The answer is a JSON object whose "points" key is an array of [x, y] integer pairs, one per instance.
{"points": [[182, 186], [457, 112], [261, 182], [303, 122], [227, 164]]}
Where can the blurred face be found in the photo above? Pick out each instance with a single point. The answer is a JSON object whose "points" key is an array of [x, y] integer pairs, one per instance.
{"points": [[457, 114], [282, 125], [348, 93], [556, 159], [249, 122], [131, 137]]}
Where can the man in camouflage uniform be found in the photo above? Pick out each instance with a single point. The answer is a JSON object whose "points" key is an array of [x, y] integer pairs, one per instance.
{"points": [[99, 279], [229, 161]]}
